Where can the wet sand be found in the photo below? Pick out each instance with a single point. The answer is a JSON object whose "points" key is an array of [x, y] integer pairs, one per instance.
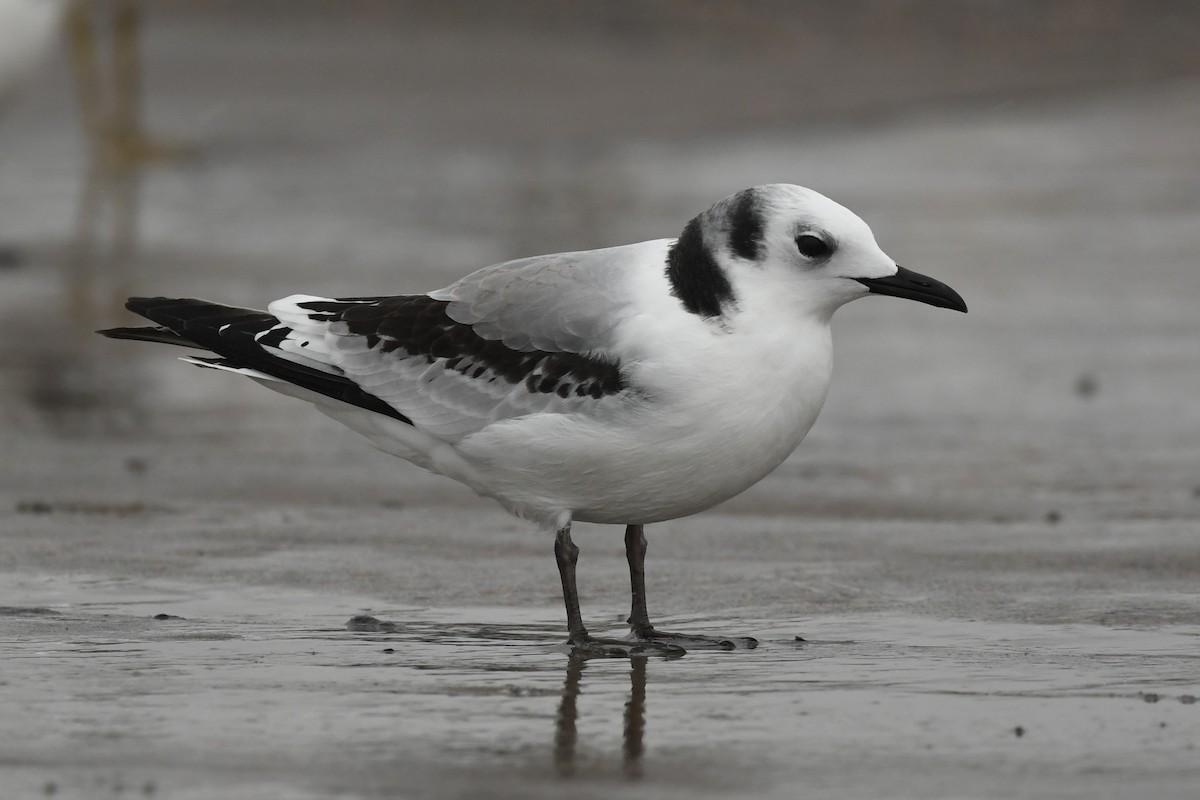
{"points": [[989, 544]]}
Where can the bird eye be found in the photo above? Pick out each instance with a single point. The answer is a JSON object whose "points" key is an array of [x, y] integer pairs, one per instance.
{"points": [[812, 246]]}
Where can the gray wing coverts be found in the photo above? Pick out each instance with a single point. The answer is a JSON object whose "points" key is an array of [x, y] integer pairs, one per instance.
{"points": [[568, 302], [554, 316]]}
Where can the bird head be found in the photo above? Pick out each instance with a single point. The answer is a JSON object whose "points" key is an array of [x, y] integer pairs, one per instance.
{"points": [[792, 245]]}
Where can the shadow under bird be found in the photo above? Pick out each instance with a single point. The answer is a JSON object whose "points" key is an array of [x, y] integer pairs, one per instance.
{"points": [[626, 385]]}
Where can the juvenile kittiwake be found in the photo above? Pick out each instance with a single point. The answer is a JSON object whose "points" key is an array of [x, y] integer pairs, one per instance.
{"points": [[626, 385]]}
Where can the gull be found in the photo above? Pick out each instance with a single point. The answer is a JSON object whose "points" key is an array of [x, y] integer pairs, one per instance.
{"points": [[627, 385]]}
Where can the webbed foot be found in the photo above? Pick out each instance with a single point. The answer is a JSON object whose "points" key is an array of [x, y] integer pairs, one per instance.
{"points": [[593, 647], [694, 641]]}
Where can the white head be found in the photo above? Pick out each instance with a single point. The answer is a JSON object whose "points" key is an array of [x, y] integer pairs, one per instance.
{"points": [[791, 241]]}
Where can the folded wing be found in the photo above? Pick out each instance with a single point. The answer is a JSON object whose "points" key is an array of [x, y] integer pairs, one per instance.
{"points": [[524, 337]]}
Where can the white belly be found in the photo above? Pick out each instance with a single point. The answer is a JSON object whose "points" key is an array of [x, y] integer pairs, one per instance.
{"points": [[704, 439]]}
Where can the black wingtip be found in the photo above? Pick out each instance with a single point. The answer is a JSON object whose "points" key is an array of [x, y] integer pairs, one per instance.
{"points": [[234, 334], [149, 334], [174, 317], [140, 305], [135, 304]]}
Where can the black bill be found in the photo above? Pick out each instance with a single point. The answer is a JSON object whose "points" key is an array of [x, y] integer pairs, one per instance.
{"points": [[915, 286]]}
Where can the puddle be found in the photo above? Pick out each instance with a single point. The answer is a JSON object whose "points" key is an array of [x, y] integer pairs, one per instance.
{"points": [[252, 677]]}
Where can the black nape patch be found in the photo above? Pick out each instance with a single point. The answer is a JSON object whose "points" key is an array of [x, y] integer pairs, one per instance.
{"points": [[418, 326], [746, 225], [696, 277]]}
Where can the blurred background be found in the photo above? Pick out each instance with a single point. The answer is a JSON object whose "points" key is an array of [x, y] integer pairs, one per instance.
{"points": [[1041, 158], [990, 530]]}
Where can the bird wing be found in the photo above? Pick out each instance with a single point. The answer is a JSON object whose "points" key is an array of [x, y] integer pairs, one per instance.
{"points": [[522, 337], [566, 302], [233, 334]]}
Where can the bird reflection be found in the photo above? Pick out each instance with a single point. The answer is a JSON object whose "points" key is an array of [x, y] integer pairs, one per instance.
{"points": [[566, 736], [635, 718]]}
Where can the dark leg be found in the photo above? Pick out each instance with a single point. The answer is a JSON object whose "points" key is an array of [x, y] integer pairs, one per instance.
{"points": [[635, 553], [639, 617], [566, 553]]}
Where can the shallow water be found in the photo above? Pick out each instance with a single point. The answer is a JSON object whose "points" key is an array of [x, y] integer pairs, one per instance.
{"points": [[257, 692]]}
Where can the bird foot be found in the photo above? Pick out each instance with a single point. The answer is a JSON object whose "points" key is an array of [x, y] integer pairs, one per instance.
{"points": [[592, 647], [694, 641]]}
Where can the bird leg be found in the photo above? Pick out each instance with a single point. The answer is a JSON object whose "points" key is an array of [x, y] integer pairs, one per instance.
{"points": [[566, 553], [639, 617]]}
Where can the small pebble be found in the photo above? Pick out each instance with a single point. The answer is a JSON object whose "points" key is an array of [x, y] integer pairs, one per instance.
{"points": [[1019, 731], [1053, 517]]}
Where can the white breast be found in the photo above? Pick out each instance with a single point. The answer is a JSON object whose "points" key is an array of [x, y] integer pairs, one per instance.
{"points": [[711, 411]]}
